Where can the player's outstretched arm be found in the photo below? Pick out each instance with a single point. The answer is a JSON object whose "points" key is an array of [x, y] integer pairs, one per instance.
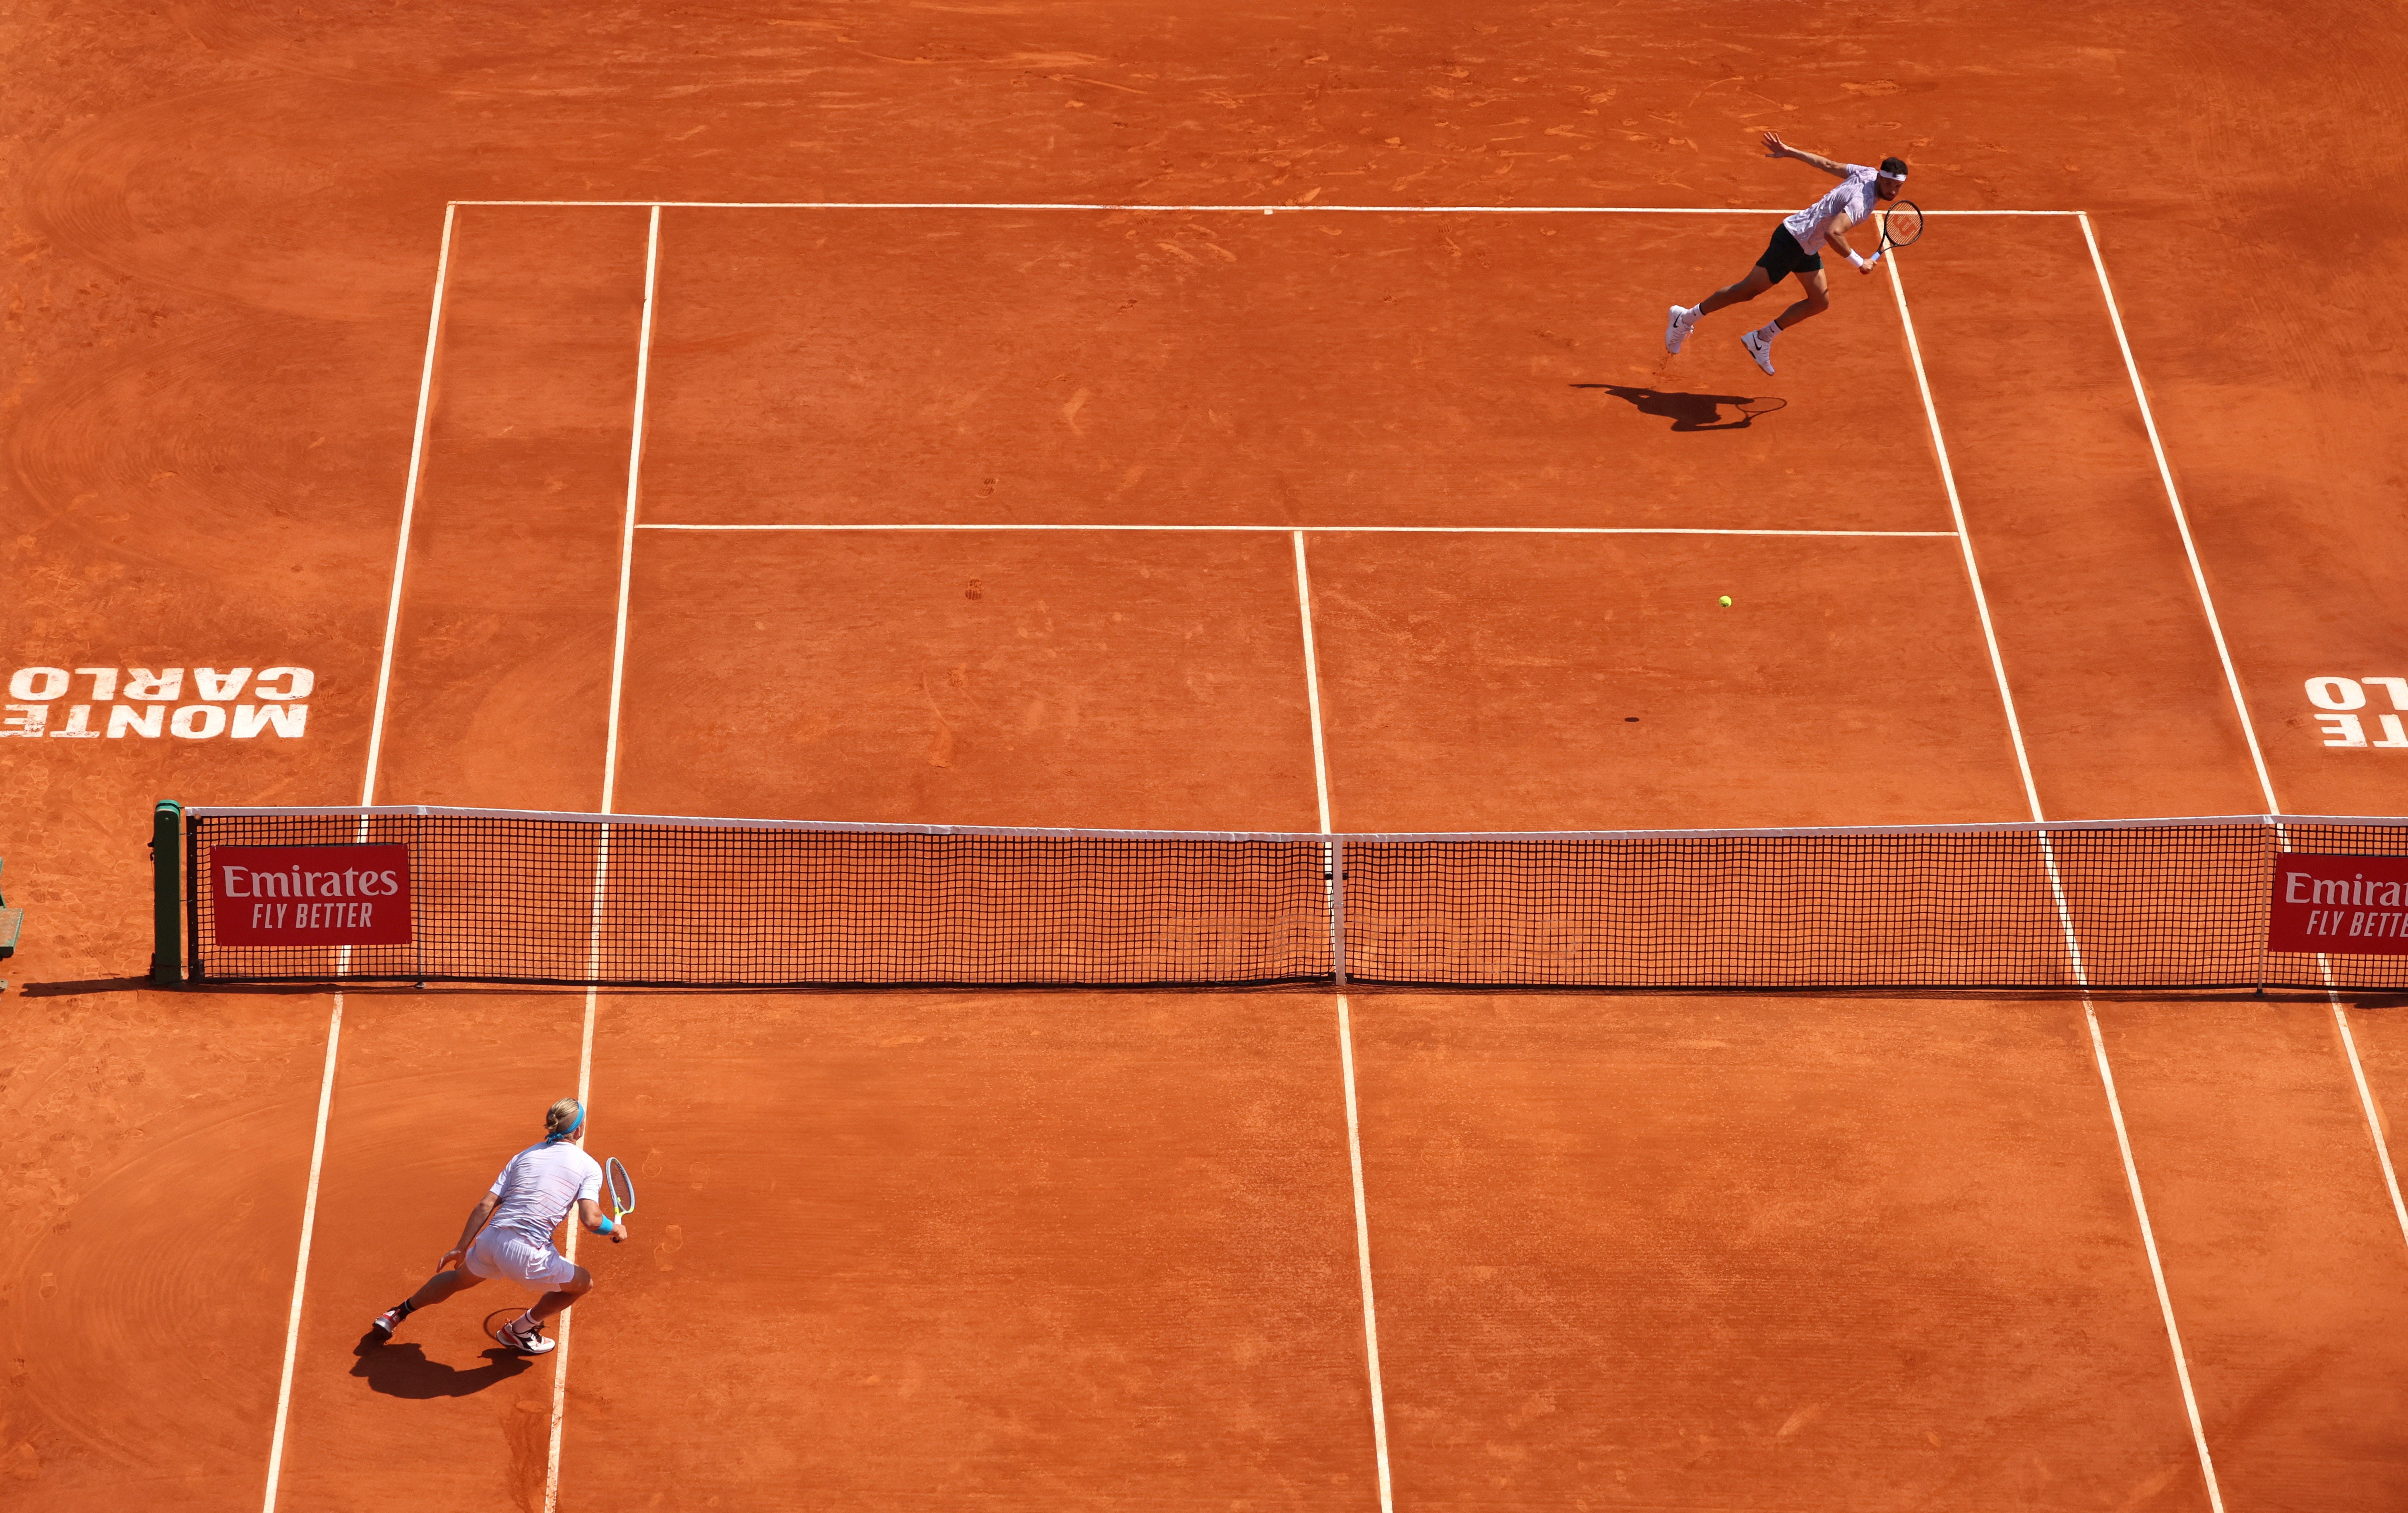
{"points": [[1775, 148]]}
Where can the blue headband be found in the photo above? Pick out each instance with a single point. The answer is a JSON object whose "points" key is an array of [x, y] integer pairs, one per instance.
{"points": [[572, 1129]]}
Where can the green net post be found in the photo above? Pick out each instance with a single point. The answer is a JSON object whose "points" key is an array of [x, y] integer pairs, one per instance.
{"points": [[167, 893]]}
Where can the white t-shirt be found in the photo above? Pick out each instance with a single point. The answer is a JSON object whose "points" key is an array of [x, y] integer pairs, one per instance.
{"points": [[540, 1185], [1853, 199]]}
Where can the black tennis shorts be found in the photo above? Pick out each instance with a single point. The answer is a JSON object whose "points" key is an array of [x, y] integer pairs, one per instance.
{"points": [[1783, 256]]}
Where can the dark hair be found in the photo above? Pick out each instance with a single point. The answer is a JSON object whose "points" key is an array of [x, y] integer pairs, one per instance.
{"points": [[1894, 166]]}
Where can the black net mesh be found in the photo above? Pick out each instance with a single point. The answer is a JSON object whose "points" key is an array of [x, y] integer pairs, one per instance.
{"points": [[518, 897]]}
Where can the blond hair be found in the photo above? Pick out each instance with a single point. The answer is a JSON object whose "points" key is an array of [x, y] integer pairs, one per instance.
{"points": [[562, 1116]]}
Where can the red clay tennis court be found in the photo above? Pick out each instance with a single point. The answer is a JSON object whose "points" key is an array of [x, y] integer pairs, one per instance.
{"points": [[897, 470]]}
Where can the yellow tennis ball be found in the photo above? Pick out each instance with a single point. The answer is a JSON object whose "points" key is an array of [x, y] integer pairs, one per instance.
{"points": [[1725, 601]]}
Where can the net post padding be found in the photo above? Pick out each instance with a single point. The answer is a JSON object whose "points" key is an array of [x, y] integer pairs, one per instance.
{"points": [[522, 896], [166, 894]]}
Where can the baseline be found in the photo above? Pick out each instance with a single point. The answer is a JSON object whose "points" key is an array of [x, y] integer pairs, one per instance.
{"points": [[1266, 209], [1313, 530]]}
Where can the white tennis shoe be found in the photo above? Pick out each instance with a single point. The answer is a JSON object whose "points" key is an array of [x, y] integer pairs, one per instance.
{"points": [[530, 1341], [386, 1322], [1760, 349], [1677, 327]]}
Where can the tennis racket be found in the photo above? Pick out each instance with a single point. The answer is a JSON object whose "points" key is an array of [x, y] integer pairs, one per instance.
{"points": [[1902, 224], [622, 1193]]}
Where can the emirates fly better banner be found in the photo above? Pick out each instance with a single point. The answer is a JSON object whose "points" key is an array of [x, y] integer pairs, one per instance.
{"points": [[311, 895], [2342, 906]]}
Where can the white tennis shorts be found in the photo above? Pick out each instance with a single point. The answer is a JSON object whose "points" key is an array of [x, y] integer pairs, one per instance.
{"points": [[501, 1257]]}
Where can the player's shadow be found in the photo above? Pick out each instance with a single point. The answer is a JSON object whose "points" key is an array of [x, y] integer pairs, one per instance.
{"points": [[402, 1370], [1694, 412]]}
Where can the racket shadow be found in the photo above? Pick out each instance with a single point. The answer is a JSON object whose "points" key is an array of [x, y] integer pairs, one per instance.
{"points": [[1691, 411], [401, 1369]]}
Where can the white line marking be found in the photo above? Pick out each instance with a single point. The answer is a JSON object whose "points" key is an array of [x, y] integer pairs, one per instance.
{"points": [[2064, 912], [1247, 209], [2182, 522], [560, 1349], [2366, 1101], [2358, 1074], [367, 796], [301, 1265], [628, 533], [1324, 529], [1363, 1260], [2241, 707], [1965, 542], [1312, 683], [1346, 1056], [610, 799], [408, 510], [2157, 1268]]}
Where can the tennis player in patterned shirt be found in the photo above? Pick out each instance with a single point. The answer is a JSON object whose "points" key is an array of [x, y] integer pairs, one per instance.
{"points": [[508, 1235], [1796, 247]]}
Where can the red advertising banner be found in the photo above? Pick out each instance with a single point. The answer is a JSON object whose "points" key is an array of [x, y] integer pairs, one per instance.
{"points": [[2342, 906], [311, 895]]}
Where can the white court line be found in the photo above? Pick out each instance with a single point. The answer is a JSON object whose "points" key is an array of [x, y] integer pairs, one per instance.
{"points": [[408, 510], [609, 801], [1248, 210], [2149, 1243], [1312, 683], [367, 796], [2241, 708], [1965, 541], [2358, 1076], [627, 531], [1324, 529], [301, 1263], [2064, 914], [2366, 1102], [2181, 524], [1346, 1056], [560, 1346], [1363, 1259]]}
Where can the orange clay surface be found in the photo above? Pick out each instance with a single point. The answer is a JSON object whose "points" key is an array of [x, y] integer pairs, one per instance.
{"points": [[1082, 1250]]}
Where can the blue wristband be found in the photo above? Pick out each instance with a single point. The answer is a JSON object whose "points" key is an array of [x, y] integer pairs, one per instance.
{"points": [[605, 1225]]}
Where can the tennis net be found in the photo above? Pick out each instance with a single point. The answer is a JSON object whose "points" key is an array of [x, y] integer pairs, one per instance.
{"points": [[633, 900]]}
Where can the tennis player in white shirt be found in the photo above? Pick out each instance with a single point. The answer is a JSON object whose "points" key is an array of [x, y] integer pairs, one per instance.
{"points": [[508, 1235], [1796, 247]]}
